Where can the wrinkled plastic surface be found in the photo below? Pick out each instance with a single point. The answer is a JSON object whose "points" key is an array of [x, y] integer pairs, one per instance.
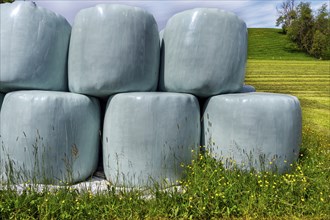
{"points": [[147, 136], [257, 130], [113, 48], [247, 88], [34, 46], [52, 136], [205, 52]]}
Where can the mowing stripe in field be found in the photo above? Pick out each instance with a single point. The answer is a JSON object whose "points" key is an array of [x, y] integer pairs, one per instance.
{"points": [[308, 80]]}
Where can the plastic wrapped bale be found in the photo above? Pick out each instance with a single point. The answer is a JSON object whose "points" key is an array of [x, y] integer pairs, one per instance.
{"points": [[247, 88], [34, 47], [147, 136], [113, 49], [49, 137], [255, 130], [205, 52]]}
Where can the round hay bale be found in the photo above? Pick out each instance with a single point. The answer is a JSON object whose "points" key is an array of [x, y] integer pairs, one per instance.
{"points": [[113, 49], [256, 130], [147, 136], [49, 137], [34, 47], [205, 52]]}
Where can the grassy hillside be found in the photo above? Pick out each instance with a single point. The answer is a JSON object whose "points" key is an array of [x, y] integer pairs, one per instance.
{"points": [[274, 65], [271, 44]]}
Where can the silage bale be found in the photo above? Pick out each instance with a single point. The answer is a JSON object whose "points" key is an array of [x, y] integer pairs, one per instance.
{"points": [[205, 52], [34, 46], [49, 136], [256, 130], [147, 136], [113, 48]]}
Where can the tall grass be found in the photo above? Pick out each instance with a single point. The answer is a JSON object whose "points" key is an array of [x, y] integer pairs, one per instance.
{"points": [[208, 191]]}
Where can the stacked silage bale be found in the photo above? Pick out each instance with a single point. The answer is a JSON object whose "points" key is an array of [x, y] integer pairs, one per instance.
{"points": [[256, 130], [46, 136], [204, 53], [115, 54], [53, 136], [113, 49], [34, 44], [147, 135]]}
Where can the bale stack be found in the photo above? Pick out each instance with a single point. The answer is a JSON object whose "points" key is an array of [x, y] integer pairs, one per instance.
{"points": [[204, 53], [46, 136], [152, 83]]}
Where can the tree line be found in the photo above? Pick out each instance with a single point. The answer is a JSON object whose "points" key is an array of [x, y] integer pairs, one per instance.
{"points": [[308, 29]]}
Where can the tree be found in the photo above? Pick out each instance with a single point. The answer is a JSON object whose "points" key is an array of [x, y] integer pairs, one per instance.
{"points": [[300, 30], [321, 40], [322, 18], [287, 14], [308, 30], [318, 49]]}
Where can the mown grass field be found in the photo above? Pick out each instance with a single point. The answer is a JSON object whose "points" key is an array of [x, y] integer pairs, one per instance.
{"points": [[308, 80], [209, 191]]}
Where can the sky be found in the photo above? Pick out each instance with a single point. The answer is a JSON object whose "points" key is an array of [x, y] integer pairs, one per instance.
{"points": [[255, 13]]}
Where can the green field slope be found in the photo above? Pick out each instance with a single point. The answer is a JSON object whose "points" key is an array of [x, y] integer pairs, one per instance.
{"points": [[274, 65], [271, 44], [308, 80]]}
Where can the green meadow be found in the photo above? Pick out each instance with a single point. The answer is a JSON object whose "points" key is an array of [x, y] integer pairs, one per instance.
{"points": [[209, 191], [276, 65], [271, 44]]}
